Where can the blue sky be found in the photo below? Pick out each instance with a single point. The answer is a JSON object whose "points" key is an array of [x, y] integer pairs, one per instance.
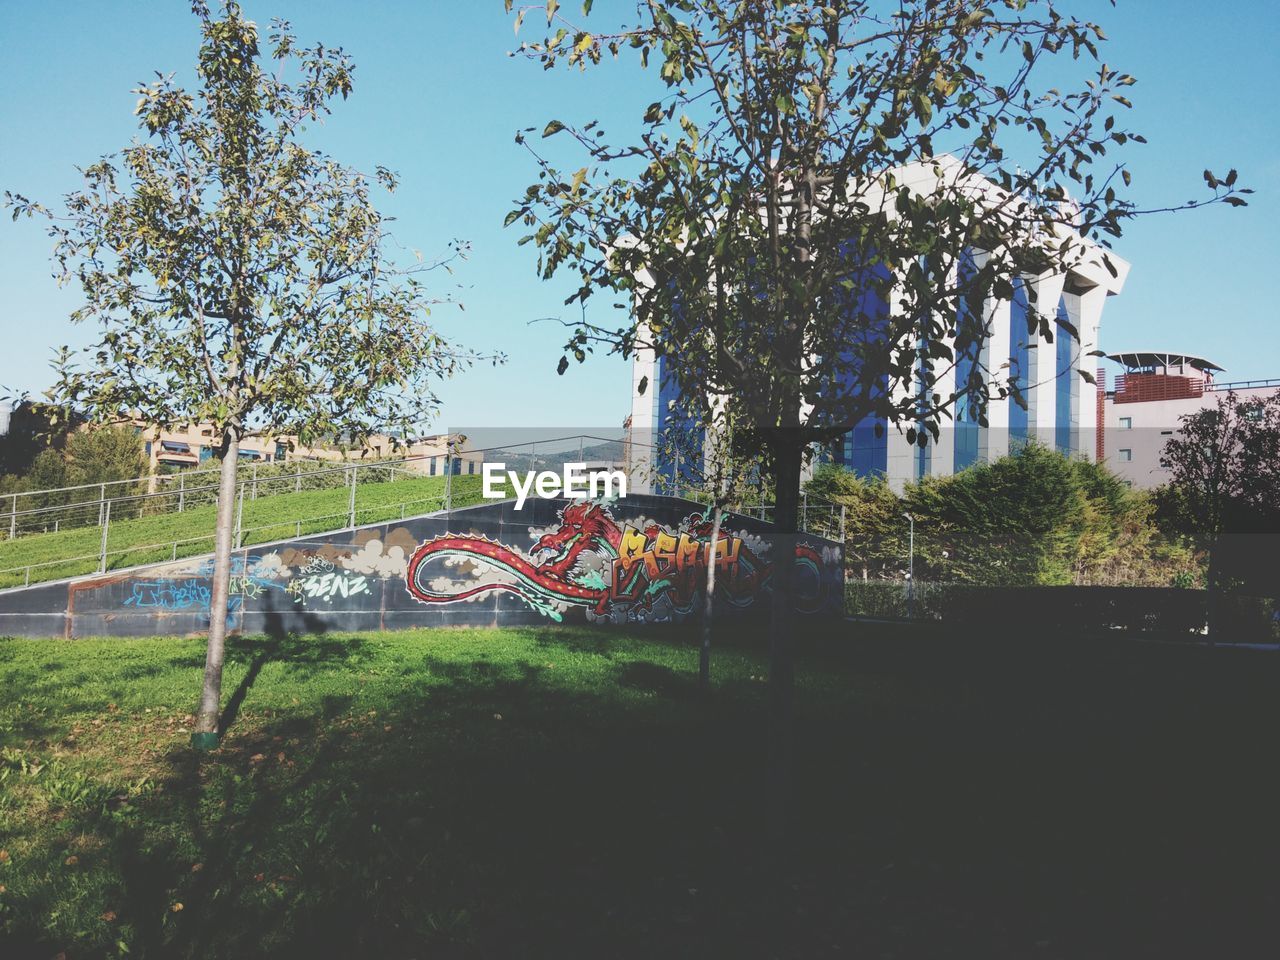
{"points": [[437, 98]]}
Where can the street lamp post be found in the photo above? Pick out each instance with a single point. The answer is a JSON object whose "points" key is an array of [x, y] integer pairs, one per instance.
{"points": [[911, 566]]}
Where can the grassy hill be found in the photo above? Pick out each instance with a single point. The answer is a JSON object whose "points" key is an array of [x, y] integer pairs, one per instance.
{"points": [[150, 539]]}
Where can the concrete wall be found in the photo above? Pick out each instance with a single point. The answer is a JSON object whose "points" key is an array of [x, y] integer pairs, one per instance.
{"points": [[640, 559]]}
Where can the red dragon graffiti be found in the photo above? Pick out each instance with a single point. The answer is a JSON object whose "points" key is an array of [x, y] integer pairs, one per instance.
{"points": [[631, 569]]}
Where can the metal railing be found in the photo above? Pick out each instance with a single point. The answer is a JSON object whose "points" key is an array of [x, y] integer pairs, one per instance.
{"points": [[103, 513], [815, 516], [1243, 384]]}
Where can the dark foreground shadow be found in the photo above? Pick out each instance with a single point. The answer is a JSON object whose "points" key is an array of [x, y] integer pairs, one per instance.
{"points": [[1092, 802]]}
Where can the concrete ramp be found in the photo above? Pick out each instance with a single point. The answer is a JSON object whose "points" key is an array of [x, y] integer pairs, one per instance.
{"points": [[639, 559]]}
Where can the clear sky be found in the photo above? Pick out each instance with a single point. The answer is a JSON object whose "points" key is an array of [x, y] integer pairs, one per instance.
{"points": [[437, 99]]}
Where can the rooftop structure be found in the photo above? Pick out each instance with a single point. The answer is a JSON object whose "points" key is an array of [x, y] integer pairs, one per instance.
{"points": [[1144, 407]]}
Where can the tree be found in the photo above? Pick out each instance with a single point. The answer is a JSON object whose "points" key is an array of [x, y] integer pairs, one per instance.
{"points": [[240, 277], [874, 532], [716, 464], [789, 225], [1225, 467], [33, 426], [106, 454]]}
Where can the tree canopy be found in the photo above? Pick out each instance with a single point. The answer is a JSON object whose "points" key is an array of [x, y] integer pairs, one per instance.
{"points": [[236, 275]]}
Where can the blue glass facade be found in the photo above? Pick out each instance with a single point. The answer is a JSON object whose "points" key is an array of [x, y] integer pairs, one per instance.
{"points": [[969, 338], [1064, 384], [865, 449], [1019, 361], [674, 426]]}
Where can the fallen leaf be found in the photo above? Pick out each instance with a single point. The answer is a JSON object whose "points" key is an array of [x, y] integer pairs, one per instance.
{"points": [[497, 716], [176, 908], [72, 860], [197, 867], [108, 916], [4, 856]]}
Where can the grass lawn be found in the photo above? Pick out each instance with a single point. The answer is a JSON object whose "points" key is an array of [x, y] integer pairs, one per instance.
{"points": [[561, 792], [277, 517]]}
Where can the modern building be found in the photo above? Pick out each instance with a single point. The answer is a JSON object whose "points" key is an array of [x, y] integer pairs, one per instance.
{"points": [[1059, 406], [1143, 407]]}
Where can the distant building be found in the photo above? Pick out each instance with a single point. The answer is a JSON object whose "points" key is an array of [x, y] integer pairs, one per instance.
{"points": [[1059, 402], [187, 446], [1141, 410], [5, 412]]}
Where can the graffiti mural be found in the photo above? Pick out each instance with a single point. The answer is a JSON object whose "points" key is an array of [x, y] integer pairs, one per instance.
{"points": [[638, 570], [318, 580], [250, 578], [638, 559]]}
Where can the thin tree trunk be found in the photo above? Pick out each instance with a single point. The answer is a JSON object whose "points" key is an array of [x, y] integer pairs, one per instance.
{"points": [[1211, 594], [787, 457], [708, 603], [206, 732]]}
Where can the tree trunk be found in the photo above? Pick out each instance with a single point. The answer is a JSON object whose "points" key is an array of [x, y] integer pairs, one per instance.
{"points": [[1211, 594], [206, 732], [787, 460], [708, 603]]}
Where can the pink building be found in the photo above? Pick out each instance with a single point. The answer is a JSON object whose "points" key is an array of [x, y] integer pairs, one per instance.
{"points": [[1140, 411]]}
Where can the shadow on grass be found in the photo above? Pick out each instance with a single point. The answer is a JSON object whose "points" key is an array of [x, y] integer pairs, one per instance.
{"points": [[1061, 804]]}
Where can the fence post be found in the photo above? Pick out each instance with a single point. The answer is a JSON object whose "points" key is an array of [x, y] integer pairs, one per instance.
{"points": [[804, 511], [182, 491], [297, 482], [253, 491], [240, 518], [351, 506], [106, 526], [102, 502], [175, 550], [13, 519], [448, 476]]}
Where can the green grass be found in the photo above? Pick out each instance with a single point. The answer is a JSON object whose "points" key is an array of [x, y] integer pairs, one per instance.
{"points": [[268, 518], [553, 792]]}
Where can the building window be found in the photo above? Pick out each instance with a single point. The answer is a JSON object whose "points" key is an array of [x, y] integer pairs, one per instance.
{"points": [[147, 447], [1126, 423], [432, 462], [1126, 456]]}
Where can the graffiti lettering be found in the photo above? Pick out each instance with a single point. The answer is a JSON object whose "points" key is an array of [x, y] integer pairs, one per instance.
{"points": [[167, 594], [327, 586]]}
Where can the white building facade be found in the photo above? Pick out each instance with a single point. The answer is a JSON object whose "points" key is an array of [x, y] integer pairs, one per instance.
{"points": [[1060, 404]]}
